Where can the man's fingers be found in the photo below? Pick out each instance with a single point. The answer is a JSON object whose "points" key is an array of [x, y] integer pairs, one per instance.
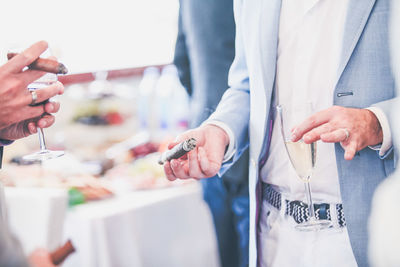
{"points": [[29, 76], [310, 123], [350, 150], [46, 121], [179, 169], [29, 112], [315, 134], [168, 172], [52, 107], [32, 128], [194, 166], [335, 136], [46, 93], [209, 168], [17, 63]]}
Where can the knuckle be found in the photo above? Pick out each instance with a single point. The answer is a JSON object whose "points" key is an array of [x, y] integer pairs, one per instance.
{"points": [[308, 136], [192, 173], [213, 170], [60, 87], [336, 108], [329, 127], [312, 119], [14, 84]]}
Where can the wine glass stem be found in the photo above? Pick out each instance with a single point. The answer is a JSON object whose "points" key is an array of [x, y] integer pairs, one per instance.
{"points": [[41, 139], [311, 211]]}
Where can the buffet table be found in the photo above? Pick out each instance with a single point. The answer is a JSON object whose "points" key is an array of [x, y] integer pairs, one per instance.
{"points": [[159, 227]]}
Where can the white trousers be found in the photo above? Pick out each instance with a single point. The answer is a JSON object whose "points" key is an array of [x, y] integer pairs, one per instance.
{"points": [[281, 245]]}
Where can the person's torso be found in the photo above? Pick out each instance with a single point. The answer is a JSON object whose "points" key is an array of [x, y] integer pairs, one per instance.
{"points": [[309, 49], [364, 70]]}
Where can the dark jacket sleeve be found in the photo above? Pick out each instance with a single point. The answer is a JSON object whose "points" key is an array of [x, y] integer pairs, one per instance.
{"points": [[181, 58], [1, 156]]}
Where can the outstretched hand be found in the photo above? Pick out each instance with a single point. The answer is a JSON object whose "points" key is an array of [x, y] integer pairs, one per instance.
{"points": [[205, 160]]}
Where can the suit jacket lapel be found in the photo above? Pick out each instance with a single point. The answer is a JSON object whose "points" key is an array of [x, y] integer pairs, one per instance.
{"points": [[268, 32], [357, 17]]}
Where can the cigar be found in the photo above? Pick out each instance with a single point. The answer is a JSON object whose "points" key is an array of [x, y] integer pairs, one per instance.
{"points": [[178, 151], [60, 254], [44, 64]]}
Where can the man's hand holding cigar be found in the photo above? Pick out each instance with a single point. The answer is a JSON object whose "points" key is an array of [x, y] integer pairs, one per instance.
{"points": [[205, 160], [18, 118]]}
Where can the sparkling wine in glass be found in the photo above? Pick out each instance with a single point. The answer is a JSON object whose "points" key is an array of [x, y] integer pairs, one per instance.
{"points": [[43, 153], [302, 157]]}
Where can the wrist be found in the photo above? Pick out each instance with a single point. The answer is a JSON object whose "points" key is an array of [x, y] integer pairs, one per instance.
{"points": [[375, 127]]}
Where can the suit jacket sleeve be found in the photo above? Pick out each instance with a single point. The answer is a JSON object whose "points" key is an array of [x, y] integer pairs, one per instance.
{"points": [[234, 108], [388, 107], [1, 156]]}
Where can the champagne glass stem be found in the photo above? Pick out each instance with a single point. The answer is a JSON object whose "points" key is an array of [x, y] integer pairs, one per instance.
{"points": [[42, 142], [311, 211]]}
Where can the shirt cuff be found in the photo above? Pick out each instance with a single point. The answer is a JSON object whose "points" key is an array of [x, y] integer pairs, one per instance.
{"points": [[4, 142], [230, 151], [387, 135]]}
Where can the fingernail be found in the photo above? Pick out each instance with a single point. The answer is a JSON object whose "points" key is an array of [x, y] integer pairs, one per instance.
{"points": [[294, 134], [31, 128], [60, 88], [50, 108], [173, 163]]}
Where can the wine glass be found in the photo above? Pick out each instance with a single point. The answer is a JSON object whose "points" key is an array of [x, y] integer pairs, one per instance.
{"points": [[43, 153], [303, 158]]}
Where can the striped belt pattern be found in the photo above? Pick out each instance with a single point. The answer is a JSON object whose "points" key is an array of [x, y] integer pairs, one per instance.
{"points": [[299, 210]]}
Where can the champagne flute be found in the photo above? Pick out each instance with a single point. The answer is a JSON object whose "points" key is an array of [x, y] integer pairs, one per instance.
{"points": [[302, 157], [43, 153]]}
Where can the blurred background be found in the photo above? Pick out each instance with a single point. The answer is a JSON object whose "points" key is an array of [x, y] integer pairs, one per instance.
{"points": [[94, 35], [107, 194]]}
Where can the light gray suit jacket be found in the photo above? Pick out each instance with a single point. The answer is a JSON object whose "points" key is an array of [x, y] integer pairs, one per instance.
{"points": [[364, 71]]}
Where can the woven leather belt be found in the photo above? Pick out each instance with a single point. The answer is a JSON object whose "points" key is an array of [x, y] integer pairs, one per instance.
{"points": [[299, 210]]}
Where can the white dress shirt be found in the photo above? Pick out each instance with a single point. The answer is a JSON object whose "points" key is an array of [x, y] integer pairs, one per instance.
{"points": [[309, 49]]}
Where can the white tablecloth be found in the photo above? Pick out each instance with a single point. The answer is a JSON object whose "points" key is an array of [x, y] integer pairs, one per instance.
{"points": [[165, 227], [36, 216]]}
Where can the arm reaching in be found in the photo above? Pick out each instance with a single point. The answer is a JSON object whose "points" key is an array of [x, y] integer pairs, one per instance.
{"points": [[14, 96]]}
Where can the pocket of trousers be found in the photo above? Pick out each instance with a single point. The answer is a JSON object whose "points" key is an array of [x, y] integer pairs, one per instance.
{"points": [[268, 216]]}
